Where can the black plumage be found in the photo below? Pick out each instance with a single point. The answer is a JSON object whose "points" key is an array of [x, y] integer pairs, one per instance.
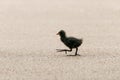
{"points": [[70, 42]]}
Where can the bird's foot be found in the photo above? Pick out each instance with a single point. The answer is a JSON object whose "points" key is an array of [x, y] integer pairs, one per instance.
{"points": [[74, 55], [77, 55]]}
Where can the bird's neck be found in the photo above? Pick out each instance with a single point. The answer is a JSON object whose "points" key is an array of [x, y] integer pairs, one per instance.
{"points": [[63, 38]]}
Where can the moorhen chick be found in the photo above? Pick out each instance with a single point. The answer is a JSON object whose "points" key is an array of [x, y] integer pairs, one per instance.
{"points": [[70, 42]]}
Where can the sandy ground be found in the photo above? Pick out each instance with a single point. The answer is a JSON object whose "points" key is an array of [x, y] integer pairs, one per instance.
{"points": [[28, 39]]}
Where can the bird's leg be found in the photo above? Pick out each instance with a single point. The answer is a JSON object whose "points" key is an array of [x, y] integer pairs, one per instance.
{"points": [[76, 51], [61, 50], [70, 50]]}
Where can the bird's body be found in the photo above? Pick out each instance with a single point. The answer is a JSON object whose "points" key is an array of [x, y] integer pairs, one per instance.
{"points": [[70, 42]]}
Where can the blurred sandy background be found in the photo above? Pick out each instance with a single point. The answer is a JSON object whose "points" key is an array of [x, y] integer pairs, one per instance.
{"points": [[28, 39]]}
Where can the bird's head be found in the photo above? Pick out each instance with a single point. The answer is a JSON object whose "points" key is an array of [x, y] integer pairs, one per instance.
{"points": [[61, 33]]}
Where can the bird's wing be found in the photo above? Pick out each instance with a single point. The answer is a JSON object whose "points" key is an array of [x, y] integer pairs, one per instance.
{"points": [[72, 40]]}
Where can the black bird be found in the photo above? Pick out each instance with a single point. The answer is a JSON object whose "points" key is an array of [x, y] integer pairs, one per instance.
{"points": [[70, 42]]}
